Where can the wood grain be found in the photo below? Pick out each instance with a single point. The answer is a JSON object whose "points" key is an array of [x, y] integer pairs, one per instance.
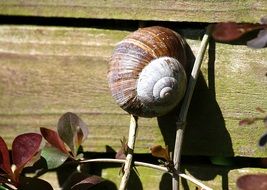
{"points": [[215, 177], [47, 71], [191, 11]]}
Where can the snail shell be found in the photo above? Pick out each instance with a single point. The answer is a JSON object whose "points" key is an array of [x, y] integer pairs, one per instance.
{"points": [[146, 71]]}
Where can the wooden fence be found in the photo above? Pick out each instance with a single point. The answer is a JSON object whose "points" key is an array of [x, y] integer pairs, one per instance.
{"points": [[53, 59]]}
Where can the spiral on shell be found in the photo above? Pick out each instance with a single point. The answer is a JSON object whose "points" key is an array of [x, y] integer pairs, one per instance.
{"points": [[146, 72]]}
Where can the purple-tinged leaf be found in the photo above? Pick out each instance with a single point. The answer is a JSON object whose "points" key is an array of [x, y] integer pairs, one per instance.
{"points": [[252, 182], [4, 157], [24, 148], [260, 41], [53, 138], [34, 159], [87, 183], [72, 130], [74, 178], [54, 157], [121, 154], [28, 183]]}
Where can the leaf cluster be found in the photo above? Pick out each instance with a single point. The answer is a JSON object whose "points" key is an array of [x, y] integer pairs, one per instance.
{"points": [[55, 147], [231, 31]]}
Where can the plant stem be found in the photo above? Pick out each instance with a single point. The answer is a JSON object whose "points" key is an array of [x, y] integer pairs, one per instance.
{"points": [[153, 166], [129, 158], [184, 109]]}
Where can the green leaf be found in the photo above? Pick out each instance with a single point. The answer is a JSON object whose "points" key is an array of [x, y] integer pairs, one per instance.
{"points": [[53, 156], [72, 130], [3, 188]]}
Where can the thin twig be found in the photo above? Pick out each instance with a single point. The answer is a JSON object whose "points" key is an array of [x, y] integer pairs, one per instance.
{"points": [[153, 166], [129, 158], [184, 109]]}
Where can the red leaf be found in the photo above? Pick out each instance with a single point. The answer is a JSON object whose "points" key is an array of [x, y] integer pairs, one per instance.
{"points": [[53, 138], [87, 183], [24, 148], [121, 154], [252, 182], [4, 157], [29, 183], [231, 31], [247, 121]]}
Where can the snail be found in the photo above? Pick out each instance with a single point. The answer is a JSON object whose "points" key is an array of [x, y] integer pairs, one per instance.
{"points": [[146, 73]]}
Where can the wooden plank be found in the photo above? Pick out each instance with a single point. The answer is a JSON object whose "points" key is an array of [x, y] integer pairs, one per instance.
{"points": [[214, 177], [219, 177], [47, 71], [190, 11]]}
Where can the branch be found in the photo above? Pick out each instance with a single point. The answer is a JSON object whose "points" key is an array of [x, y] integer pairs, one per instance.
{"points": [[184, 109], [153, 166], [129, 157]]}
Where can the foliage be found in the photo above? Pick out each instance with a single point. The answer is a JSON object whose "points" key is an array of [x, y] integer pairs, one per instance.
{"points": [[254, 181], [61, 146], [230, 31], [25, 151], [72, 131], [121, 154], [160, 152], [250, 121]]}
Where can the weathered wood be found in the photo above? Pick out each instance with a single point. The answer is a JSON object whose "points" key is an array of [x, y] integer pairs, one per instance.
{"points": [[168, 10], [47, 71], [214, 177], [219, 177]]}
